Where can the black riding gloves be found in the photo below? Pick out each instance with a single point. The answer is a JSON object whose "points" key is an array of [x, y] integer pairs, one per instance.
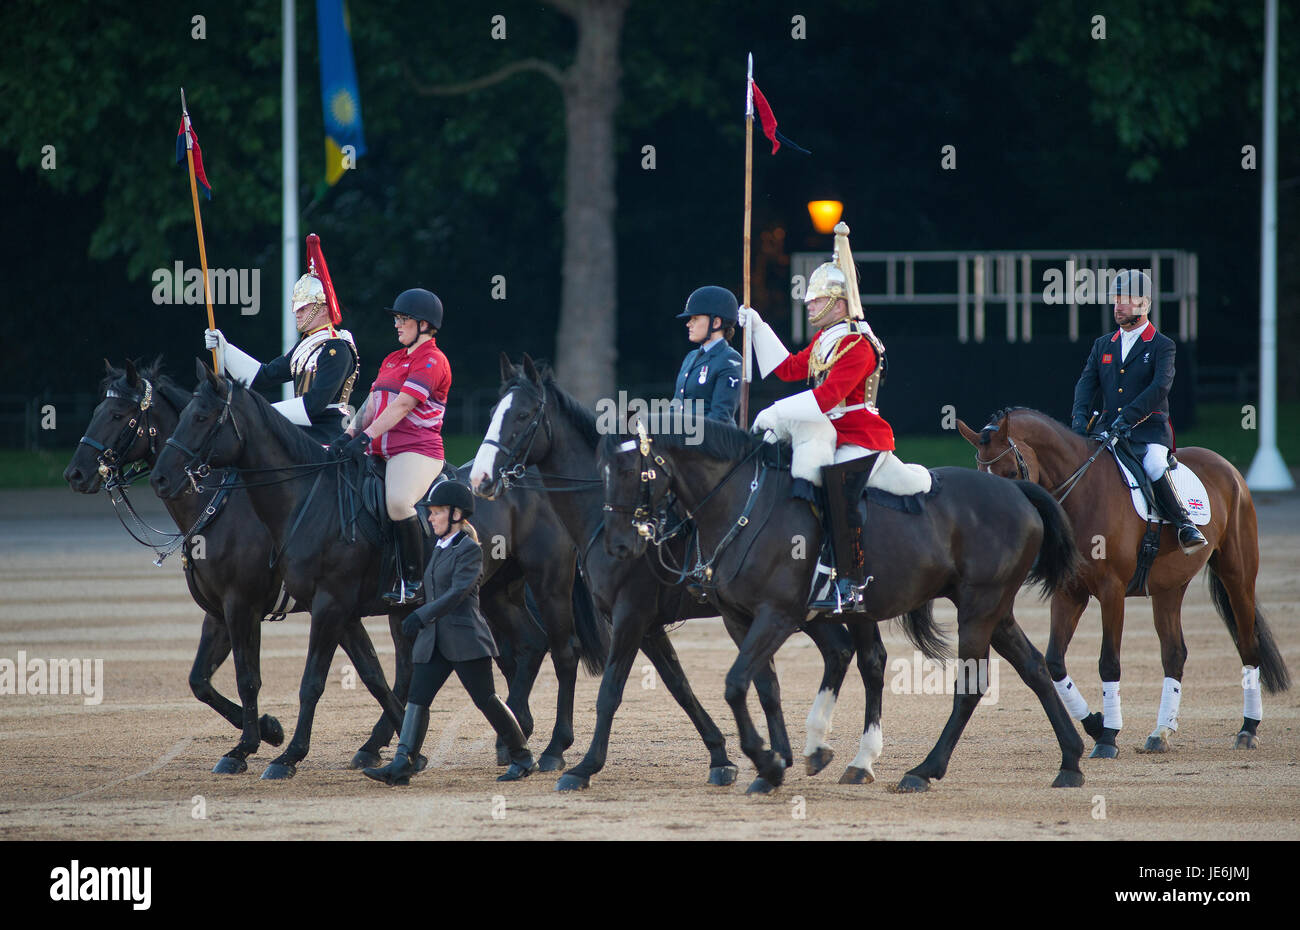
{"points": [[354, 447]]}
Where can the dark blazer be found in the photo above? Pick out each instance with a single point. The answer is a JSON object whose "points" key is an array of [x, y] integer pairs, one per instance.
{"points": [[451, 618], [1134, 389], [713, 377]]}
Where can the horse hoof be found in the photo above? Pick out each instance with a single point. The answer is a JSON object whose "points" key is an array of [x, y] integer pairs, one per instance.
{"points": [[421, 762], [279, 771], [722, 775], [856, 776], [1155, 744], [1068, 779], [818, 760], [270, 730], [571, 782], [364, 759], [503, 756], [1246, 740], [230, 765], [760, 785], [911, 784], [1104, 751], [547, 763]]}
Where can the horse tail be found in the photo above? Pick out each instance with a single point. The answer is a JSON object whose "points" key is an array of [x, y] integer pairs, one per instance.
{"points": [[919, 627], [593, 631], [1272, 669], [1058, 561]]}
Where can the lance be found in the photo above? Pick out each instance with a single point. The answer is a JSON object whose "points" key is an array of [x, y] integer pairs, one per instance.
{"points": [[198, 222], [747, 373]]}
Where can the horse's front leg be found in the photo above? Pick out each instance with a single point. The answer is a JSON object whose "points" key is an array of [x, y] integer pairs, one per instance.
{"points": [[836, 645], [1067, 608], [766, 634], [1166, 609], [769, 698], [1112, 632]]}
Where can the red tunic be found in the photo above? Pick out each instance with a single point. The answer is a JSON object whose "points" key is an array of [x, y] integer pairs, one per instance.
{"points": [[846, 381], [425, 375]]}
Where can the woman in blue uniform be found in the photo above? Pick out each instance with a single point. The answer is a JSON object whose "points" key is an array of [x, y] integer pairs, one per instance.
{"points": [[709, 380]]}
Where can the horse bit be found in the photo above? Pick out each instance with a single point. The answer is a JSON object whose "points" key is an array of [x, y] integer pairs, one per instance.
{"points": [[203, 469]]}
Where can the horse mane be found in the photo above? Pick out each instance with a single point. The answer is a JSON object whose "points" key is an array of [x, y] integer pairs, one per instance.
{"points": [[991, 427], [581, 418], [716, 440], [152, 371], [299, 446]]}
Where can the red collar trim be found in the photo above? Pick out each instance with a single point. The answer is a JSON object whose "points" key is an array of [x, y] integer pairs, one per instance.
{"points": [[1147, 334]]}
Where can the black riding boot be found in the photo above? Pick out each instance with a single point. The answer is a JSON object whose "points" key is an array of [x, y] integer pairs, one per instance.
{"points": [[507, 727], [844, 484], [1189, 537], [398, 772], [410, 562]]}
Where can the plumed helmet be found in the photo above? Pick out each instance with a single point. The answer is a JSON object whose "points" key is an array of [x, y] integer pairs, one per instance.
{"points": [[712, 301], [419, 304], [308, 291], [837, 278], [1131, 283], [448, 493]]}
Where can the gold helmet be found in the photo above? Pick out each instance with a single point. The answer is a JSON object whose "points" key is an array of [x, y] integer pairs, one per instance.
{"points": [[308, 290], [837, 278]]}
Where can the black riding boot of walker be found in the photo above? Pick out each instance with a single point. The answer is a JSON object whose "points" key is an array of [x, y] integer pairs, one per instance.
{"points": [[503, 721], [410, 562], [398, 772], [844, 484], [1189, 537]]}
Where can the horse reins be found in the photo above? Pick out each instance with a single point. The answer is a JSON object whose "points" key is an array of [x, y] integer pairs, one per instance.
{"points": [[1022, 469]]}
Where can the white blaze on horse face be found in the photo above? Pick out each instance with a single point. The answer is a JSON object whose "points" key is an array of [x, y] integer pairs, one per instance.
{"points": [[485, 460], [819, 721], [869, 750]]}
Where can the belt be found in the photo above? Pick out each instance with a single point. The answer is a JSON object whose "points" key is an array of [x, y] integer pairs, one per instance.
{"points": [[836, 412]]}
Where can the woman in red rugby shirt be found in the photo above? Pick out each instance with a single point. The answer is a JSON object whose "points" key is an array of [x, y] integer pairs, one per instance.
{"points": [[402, 422]]}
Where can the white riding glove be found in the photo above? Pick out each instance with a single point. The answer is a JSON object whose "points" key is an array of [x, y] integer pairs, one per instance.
{"points": [[231, 360], [748, 316], [769, 351], [213, 339]]}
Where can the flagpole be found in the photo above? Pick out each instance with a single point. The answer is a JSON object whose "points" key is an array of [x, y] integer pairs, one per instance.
{"points": [[746, 343], [198, 222]]}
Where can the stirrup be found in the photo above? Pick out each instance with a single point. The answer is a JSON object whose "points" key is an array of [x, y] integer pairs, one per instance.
{"points": [[1198, 541]]}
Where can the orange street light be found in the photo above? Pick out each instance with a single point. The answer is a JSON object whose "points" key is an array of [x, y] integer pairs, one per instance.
{"points": [[825, 214]]}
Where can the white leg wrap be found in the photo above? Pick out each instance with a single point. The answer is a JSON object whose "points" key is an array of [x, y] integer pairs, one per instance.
{"points": [[1074, 702], [1113, 720], [819, 721], [1170, 697], [873, 743], [1252, 699]]}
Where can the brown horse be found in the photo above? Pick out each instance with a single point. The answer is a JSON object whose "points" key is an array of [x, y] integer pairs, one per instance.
{"points": [[1022, 443]]}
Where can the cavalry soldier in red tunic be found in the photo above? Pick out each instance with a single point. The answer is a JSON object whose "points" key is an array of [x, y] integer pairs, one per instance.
{"points": [[323, 365], [840, 439]]}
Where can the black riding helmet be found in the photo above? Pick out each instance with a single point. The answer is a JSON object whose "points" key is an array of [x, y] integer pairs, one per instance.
{"points": [[712, 301], [419, 304], [447, 493]]}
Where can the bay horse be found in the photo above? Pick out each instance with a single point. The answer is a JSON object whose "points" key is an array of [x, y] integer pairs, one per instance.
{"points": [[536, 423], [1018, 442], [313, 541], [976, 542]]}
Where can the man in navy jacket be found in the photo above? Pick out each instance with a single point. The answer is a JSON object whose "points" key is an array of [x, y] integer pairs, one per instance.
{"points": [[1126, 383]]}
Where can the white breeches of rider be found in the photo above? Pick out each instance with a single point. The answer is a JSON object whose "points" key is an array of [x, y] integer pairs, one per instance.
{"points": [[889, 473], [1156, 460], [407, 477]]}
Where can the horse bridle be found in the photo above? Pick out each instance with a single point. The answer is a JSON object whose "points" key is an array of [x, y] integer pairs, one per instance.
{"points": [[108, 461], [519, 451], [1065, 486], [197, 467], [643, 514], [1021, 468]]}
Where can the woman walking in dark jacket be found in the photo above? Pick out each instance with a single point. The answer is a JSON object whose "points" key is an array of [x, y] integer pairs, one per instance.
{"points": [[451, 635]]}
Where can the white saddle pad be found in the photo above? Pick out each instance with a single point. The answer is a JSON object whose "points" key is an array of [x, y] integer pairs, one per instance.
{"points": [[1190, 491]]}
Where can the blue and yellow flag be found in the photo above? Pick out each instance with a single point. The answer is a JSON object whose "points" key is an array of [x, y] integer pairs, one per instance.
{"points": [[340, 98]]}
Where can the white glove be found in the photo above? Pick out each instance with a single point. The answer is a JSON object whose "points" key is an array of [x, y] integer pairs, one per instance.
{"points": [[766, 420], [748, 316], [212, 339]]}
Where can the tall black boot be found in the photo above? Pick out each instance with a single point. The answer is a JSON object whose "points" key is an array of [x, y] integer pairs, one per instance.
{"points": [[410, 563], [507, 726], [398, 772], [844, 484], [1189, 537]]}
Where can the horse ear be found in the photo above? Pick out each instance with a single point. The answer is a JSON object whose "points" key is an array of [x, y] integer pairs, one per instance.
{"points": [[531, 370], [507, 367], [202, 371], [108, 368], [132, 376], [1003, 425], [967, 433]]}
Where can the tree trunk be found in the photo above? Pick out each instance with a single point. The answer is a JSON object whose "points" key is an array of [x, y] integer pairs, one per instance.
{"points": [[585, 345]]}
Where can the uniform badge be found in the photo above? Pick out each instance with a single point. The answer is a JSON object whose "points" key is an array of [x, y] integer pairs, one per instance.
{"points": [[1105, 359], [704, 374], [1146, 357], [733, 381], [334, 352]]}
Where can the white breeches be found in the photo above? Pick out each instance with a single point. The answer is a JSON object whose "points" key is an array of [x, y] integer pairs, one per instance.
{"points": [[1156, 460], [407, 477]]}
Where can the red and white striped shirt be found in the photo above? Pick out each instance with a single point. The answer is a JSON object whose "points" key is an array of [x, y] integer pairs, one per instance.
{"points": [[422, 373]]}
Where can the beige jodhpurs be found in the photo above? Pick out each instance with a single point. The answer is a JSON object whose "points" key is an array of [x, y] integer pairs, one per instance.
{"points": [[408, 476]]}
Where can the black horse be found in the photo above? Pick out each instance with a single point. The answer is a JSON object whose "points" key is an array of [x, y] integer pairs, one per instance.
{"points": [[976, 541], [538, 424], [281, 466]]}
